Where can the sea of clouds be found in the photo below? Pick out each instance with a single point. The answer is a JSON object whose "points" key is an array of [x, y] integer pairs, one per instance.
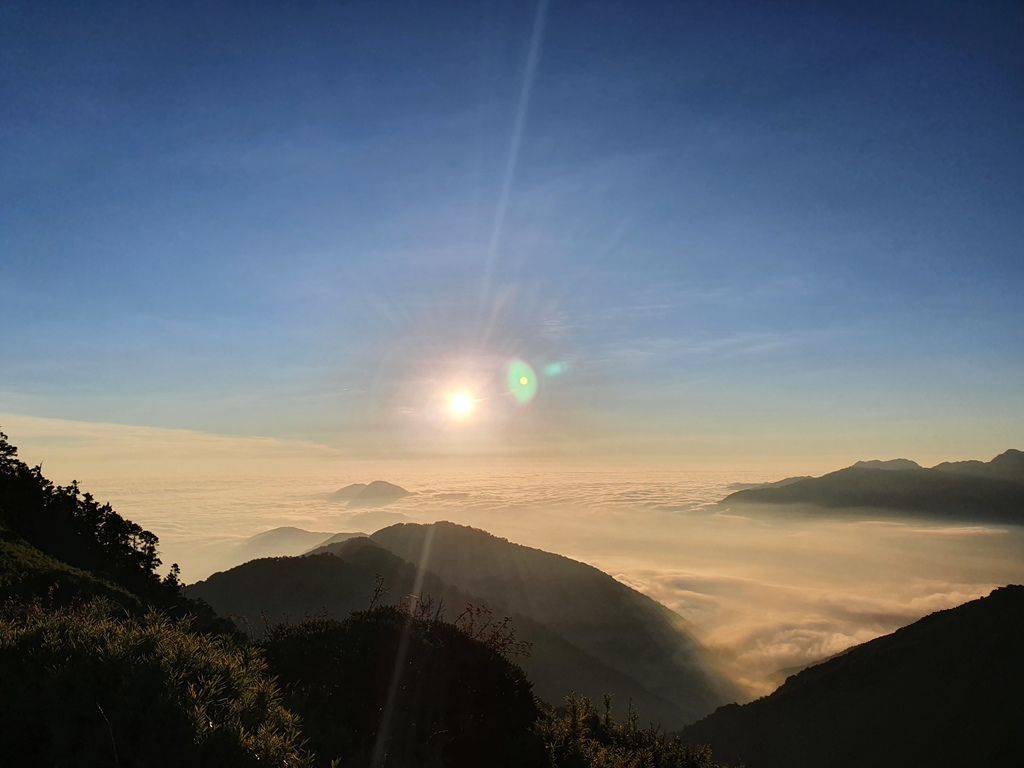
{"points": [[768, 590]]}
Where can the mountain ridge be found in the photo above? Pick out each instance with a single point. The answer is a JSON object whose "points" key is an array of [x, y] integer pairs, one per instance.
{"points": [[629, 630], [943, 691], [344, 577], [559, 663], [973, 491]]}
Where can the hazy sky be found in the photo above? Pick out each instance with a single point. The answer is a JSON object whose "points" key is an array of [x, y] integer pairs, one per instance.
{"points": [[711, 229]]}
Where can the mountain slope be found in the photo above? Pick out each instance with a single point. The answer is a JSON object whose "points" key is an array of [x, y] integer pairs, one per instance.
{"points": [[341, 577], [990, 495], [618, 625], [944, 691]]}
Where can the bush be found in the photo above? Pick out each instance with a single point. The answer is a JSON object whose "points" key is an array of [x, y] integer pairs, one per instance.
{"points": [[85, 688], [415, 691], [577, 736]]}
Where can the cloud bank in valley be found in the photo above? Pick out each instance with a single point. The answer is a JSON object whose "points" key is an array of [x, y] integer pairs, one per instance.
{"points": [[772, 593], [768, 594]]}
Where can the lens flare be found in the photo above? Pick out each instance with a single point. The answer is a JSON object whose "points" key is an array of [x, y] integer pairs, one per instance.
{"points": [[522, 381], [554, 369]]}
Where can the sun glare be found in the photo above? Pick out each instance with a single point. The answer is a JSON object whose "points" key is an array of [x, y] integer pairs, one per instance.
{"points": [[461, 404]]}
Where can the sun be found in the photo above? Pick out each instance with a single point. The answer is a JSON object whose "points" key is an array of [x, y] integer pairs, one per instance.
{"points": [[461, 404]]}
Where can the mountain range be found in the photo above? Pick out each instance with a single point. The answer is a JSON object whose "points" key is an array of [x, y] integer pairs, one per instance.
{"points": [[972, 491]]}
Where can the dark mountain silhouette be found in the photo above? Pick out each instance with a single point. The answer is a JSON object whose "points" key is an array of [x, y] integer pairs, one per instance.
{"points": [[944, 691], [617, 625], [376, 494], [981, 492], [555, 664], [776, 484], [891, 464], [339, 581], [342, 577], [597, 647], [1006, 466]]}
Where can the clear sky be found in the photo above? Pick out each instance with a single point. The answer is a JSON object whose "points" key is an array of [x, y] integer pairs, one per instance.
{"points": [[716, 229]]}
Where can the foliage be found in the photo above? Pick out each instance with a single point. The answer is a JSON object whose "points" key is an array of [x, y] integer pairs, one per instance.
{"points": [[409, 689], [86, 688], [26, 573], [578, 736], [74, 528], [57, 540], [478, 623]]}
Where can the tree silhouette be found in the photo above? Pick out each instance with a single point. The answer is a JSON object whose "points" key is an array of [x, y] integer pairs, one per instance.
{"points": [[73, 527]]}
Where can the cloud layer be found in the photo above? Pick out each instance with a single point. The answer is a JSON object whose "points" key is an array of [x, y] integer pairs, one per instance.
{"points": [[768, 593]]}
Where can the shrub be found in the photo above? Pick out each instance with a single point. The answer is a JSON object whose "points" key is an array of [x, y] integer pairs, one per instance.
{"points": [[383, 684], [84, 687], [578, 736]]}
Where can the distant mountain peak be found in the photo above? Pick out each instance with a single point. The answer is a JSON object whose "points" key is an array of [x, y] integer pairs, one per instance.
{"points": [[382, 488], [891, 464], [374, 494], [1008, 465], [347, 493], [1009, 458]]}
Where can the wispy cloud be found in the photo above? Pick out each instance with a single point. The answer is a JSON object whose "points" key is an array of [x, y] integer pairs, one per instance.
{"points": [[84, 449]]}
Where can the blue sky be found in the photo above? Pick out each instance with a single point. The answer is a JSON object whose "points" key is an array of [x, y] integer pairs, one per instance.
{"points": [[741, 229]]}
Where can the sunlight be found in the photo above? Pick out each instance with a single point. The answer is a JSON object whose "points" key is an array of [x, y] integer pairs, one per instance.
{"points": [[461, 404]]}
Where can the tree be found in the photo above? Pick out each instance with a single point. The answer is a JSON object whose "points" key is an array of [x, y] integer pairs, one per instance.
{"points": [[72, 527]]}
